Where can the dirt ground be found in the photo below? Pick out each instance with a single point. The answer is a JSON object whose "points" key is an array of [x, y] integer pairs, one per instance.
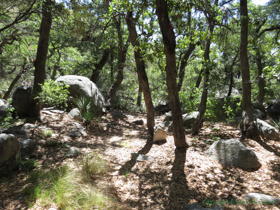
{"points": [[171, 180]]}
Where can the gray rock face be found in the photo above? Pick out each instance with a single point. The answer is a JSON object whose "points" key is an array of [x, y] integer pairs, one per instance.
{"points": [[73, 152], [117, 114], [75, 114], [82, 86], [160, 132], [259, 106], [197, 206], [3, 108], [139, 157], [259, 114], [188, 120], [263, 198], [21, 101], [232, 152], [273, 110], [267, 130], [9, 153], [27, 147]]}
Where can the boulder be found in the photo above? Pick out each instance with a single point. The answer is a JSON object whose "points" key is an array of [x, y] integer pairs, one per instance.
{"points": [[82, 86], [162, 108], [27, 147], [262, 198], [138, 122], [75, 114], [73, 152], [266, 130], [259, 114], [168, 116], [197, 206], [232, 152], [20, 130], [9, 153], [259, 106], [21, 101], [140, 158], [188, 120], [273, 110], [117, 114], [4, 107], [160, 131]]}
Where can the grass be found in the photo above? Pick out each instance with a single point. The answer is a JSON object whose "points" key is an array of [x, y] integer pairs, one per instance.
{"points": [[126, 144], [67, 188], [46, 133]]}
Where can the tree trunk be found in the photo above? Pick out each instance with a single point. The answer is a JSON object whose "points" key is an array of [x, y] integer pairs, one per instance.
{"points": [[7, 94], [121, 62], [184, 63], [98, 67], [141, 71], [139, 96], [247, 115], [260, 77], [171, 73], [40, 62], [206, 71], [231, 75]]}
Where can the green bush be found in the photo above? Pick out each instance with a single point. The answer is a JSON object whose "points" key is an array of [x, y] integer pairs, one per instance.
{"points": [[9, 120], [54, 94]]}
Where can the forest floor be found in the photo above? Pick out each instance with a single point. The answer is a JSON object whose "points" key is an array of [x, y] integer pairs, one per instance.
{"points": [[171, 180]]}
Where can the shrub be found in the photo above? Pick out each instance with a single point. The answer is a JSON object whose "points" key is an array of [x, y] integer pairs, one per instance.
{"points": [[54, 94]]}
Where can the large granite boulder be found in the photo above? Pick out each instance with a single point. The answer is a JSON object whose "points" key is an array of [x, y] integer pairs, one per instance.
{"points": [[9, 153], [162, 108], [259, 106], [273, 110], [82, 86], [188, 120], [232, 152], [266, 130], [21, 101]]}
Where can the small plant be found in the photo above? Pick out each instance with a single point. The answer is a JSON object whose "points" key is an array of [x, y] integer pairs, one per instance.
{"points": [[51, 143], [93, 165], [46, 133], [28, 165], [275, 122], [9, 120], [84, 105], [54, 94]]}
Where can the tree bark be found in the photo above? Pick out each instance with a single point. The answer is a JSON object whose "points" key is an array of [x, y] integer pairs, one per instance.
{"points": [[40, 62], [260, 77], [141, 71], [231, 76], [171, 73], [247, 115], [121, 62], [98, 67], [184, 63]]}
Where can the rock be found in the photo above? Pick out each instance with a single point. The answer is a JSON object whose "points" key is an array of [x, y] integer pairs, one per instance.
{"points": [[188, 120], [273, 110], [19, 130], [234, 122], [80, 129], [138, 122], [232, 152], [21, 101], [4, 107], [223, 93], [82, 86], [117, 114], [9, 153], [259, 106], [162, 108], [263, 198], [75, 114], [168, 116], [139, 157], [266, 130], [73, 152], [197, 206], [160, 131], [27, 147], [259, 114]]}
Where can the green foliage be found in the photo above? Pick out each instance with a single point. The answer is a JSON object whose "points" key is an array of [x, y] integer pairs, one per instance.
{"points": [[46, 133], [190, 98], [228, 110], [275, 122], [211, 112], [9, 120], [54, 94], [28, 165]]}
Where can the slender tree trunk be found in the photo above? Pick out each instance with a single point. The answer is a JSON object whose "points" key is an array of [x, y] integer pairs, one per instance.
{"points": [[98, 67], [206, 71], [247, 115], [231, 75], [121, 63], [199, 78], [14, 82], [171, 73], [42, 50], [184, 64], [138, 103], [260, 77], [141, 71]]}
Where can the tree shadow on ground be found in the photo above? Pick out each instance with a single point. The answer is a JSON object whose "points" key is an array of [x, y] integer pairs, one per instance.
{"points": [[129, 164], [269, 148], [275, 167], [178, 189]]}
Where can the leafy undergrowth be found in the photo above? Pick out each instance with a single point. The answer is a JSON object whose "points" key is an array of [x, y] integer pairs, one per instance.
{"points": [[105, 176]]}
